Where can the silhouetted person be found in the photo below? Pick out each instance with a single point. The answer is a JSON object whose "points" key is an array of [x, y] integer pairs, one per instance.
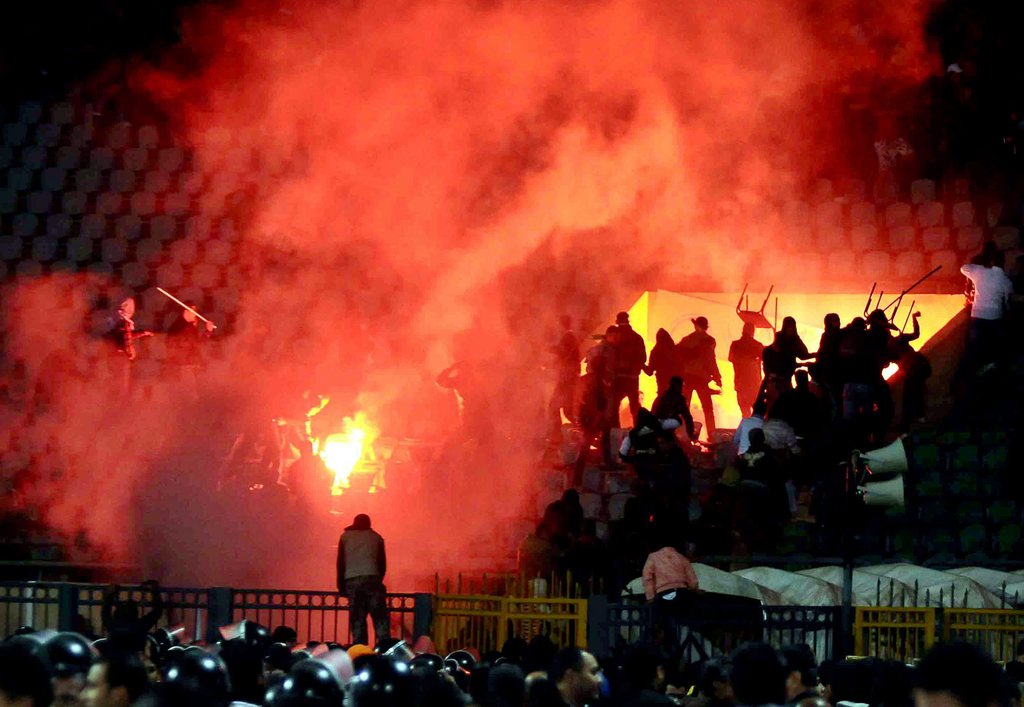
{"points": [[671, 405], [664, 360], [800, 407], [122, 621], [992, 292], [596, 413], [362, 564], [826, 370], [758, 675], [630, 359], [764, 503], [780, 360], [566, 353], [745, 357], [916, 371], [185, 336], [697, 354], [879, 342]]}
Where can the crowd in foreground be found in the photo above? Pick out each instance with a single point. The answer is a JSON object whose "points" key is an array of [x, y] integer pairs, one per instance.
{"points": [[133, 665]]}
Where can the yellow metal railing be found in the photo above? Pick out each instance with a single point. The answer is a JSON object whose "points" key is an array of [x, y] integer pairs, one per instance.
{"points": [[486, 622], [894, 633], [997, 631]]}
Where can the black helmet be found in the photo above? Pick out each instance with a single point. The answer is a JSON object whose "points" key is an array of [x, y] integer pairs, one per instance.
{"points": [[199, 672], [278, 656], [464, 659], [254, 634], [69, 654], [31, 643], [309, 684], [427, 663], [381, 682]]}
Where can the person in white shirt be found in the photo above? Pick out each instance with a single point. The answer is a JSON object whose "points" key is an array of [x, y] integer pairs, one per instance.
{"points": [[741, 439], [992, 292]]}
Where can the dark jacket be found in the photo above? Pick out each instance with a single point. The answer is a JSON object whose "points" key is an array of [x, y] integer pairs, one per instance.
{"points": [[697, 355], [360, 554], [630, 352]]}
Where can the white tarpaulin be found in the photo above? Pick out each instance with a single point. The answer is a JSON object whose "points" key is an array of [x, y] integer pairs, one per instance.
{"points": [[996, 581], [868, 589], [711, 579], [935, 588], [794, 588]]}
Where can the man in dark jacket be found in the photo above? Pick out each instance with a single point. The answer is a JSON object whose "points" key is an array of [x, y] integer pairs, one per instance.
{"points": [[362, 563], [630, 359], [697, 353]]}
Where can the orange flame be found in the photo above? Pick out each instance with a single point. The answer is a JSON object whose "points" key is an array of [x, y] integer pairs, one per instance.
{"points": [[342, 452]]}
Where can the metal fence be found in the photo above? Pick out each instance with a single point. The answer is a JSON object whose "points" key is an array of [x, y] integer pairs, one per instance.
{"points": [[709, 630], [486, 622], [997, 631], [315, 615], [895, 633]]}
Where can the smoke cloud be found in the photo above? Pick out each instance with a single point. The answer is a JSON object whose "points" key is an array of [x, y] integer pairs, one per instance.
{"points": [[407, 184]]}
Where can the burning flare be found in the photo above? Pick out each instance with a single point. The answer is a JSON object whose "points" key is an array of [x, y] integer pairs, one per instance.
{"points": [[342, 452]]}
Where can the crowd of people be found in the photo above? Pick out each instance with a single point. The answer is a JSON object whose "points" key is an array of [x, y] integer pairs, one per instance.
{"points": [[250, 665]]}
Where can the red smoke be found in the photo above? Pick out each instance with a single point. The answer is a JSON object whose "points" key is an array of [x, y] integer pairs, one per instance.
{"points": [[419, 182]]}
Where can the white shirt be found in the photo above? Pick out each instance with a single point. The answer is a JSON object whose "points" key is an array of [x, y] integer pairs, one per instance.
{"points": [[778, 434], [742, 437], [627, 443], [992, 291]]}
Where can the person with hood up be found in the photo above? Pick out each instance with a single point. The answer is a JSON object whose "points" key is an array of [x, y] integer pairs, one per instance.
{"points": [[362, 563]]}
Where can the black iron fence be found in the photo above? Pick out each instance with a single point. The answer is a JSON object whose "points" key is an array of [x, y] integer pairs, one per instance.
{"points": [[711, 626], [315, 615]]}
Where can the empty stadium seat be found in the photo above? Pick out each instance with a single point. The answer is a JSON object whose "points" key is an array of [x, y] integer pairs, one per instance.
{"points": [[44, 248], [184, 251], [956, 190], [176, 204], [909, 265], [62, 113], [88, 180], [170, 159], [58, 225], [164, 227], [969, 238], [14, 134], [902, 238], [47, 134], [68, 157], [8, 200], [217, 252], [119, 135], [135, 159], [898, 214], [1006, 237], [33, 157], [39, 202], [841, 264], [821, 191], [994, 214], [19, 178], [206, 275], [935, 238], [796, 214], [973, 540], [831, 238], [128, 227], [122, 181], [80, 249], [1006, 539], [864, 237], [80, 135], [109, 203], [24, 224], [143, 203], [29, 269], [93, 226], [962, 214], [52, 179], [74, 202], [876, 264], [148, 251], [10, 247], [828, 215], [114, 250], [101, 158], [931, 213], [148, 137], [30, 112], [169, 275], [851, 190], [948, 260], [6, 156], [157, 182], [192, 183]]}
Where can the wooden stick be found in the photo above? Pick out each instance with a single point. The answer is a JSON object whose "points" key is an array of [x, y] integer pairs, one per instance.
{"points": [[178, 301]]}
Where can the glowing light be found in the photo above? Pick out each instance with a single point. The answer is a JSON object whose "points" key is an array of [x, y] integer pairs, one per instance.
{"points": [[343, 452]]}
